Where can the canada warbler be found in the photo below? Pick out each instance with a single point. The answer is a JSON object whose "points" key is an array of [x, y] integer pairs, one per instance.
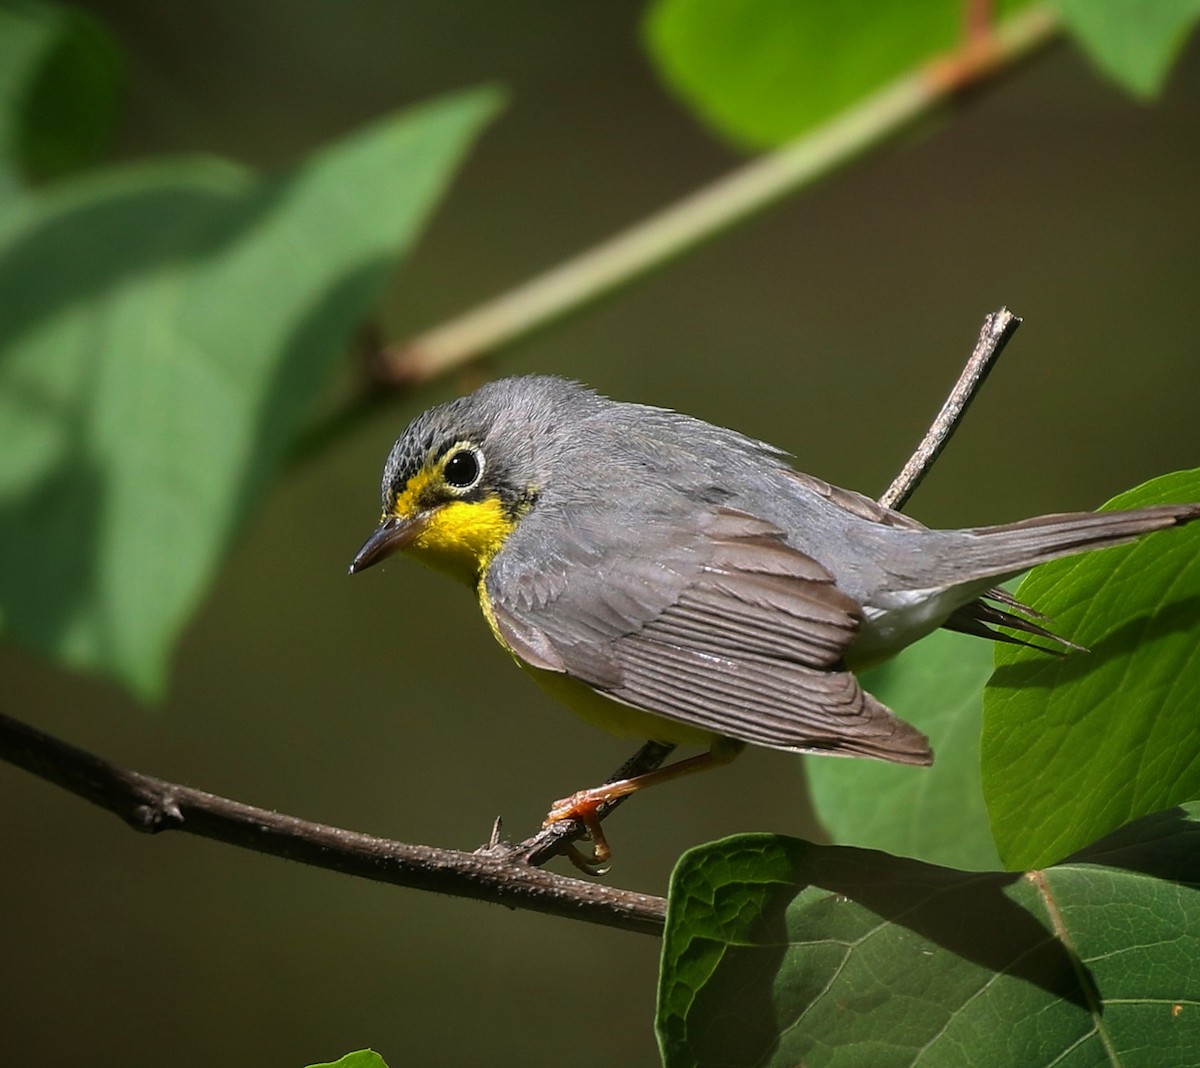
{"points": [[673, 580]]}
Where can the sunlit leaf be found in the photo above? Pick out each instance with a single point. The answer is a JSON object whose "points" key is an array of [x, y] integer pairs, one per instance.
{"points": [[1074, 747]]}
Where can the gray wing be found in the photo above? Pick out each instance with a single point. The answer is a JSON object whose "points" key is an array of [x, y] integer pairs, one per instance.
{"points": [[715, 622]]}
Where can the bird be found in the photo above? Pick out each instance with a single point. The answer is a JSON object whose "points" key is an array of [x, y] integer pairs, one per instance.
{"points": [[669, 579]]}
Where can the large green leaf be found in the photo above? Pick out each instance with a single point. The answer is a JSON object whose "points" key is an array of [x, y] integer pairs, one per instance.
{"points": [[764, 71], [59, 77], [779, 953], [1133, 41], [1074, 747], [163, 329], [935, 814]]}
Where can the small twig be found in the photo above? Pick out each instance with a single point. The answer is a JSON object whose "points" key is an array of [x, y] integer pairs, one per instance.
{"points": [[997, 329], [152, 805]]}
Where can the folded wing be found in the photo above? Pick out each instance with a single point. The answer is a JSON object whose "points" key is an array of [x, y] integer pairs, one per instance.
{"points": [[715, 622]]}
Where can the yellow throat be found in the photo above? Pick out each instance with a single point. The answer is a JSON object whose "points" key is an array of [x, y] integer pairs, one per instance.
{"points": [[461, 537]]}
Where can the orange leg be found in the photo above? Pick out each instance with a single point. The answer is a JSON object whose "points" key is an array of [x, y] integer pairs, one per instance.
{"points": [[585, 805]]}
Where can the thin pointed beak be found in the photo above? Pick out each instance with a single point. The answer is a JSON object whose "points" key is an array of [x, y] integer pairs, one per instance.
{"points": [[392, 535]]}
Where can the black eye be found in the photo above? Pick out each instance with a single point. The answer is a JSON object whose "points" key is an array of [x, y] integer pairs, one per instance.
{"points": [[463, 469]]}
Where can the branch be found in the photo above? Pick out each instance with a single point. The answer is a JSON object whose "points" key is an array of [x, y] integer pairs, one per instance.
{"points": [[152, 805], [997, 329], [708, 212]]}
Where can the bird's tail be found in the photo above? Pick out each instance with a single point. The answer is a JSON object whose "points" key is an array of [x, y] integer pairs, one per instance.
{"points": [[996, 553], [1013, 547]]}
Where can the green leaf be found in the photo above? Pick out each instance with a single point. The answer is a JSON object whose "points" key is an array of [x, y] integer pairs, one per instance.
{"points": [[1134, 42], [163, 330], [1076, 746], [778, 953], [935, 814], [764, 71], [60, 75], [363, 1058]]}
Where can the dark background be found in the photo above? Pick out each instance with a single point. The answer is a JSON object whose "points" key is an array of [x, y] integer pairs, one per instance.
{"points": [[831, 326]]}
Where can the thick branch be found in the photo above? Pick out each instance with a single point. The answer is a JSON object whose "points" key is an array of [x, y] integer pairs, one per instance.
{"points": [[152, 805]]}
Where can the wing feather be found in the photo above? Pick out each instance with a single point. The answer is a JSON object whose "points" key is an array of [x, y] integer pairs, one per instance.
{"points": [[728, 629]]}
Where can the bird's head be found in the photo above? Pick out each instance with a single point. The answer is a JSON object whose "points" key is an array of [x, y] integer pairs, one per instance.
{"points": [[462, 475]]}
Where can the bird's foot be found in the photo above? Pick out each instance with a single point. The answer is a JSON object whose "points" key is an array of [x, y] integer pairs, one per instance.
{"points": [[584, 806]]}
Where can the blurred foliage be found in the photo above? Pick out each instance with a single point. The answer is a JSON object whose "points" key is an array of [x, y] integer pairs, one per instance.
{"points": [[164, 329], [1077, 746], [779, 952], [60, 79], [1134, 42], [762, 72]]}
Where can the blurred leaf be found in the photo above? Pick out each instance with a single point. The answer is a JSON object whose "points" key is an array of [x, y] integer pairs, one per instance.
{"points": [[163, 329], [60, 74], [778, 953], [363, 1058], [1133, 41], [1074, 747], [763, 71], [935, 814]]}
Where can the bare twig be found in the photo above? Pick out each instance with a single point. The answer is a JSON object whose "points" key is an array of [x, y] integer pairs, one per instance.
{"points": [[997, 329]]}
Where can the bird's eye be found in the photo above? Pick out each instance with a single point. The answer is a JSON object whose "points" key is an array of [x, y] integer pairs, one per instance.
{"points": [[463, 469]]}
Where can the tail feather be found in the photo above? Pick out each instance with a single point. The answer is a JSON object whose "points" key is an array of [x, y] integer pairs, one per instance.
{"points": [[1013, 547], [1002, 551], [979, 617], [1002, 596]]}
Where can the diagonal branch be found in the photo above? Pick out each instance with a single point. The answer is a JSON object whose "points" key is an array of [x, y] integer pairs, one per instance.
{"points": [[997, 329], [710, 211]]}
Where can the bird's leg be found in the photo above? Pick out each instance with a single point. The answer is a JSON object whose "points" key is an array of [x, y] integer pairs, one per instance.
{"points": [[585, 805]]}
